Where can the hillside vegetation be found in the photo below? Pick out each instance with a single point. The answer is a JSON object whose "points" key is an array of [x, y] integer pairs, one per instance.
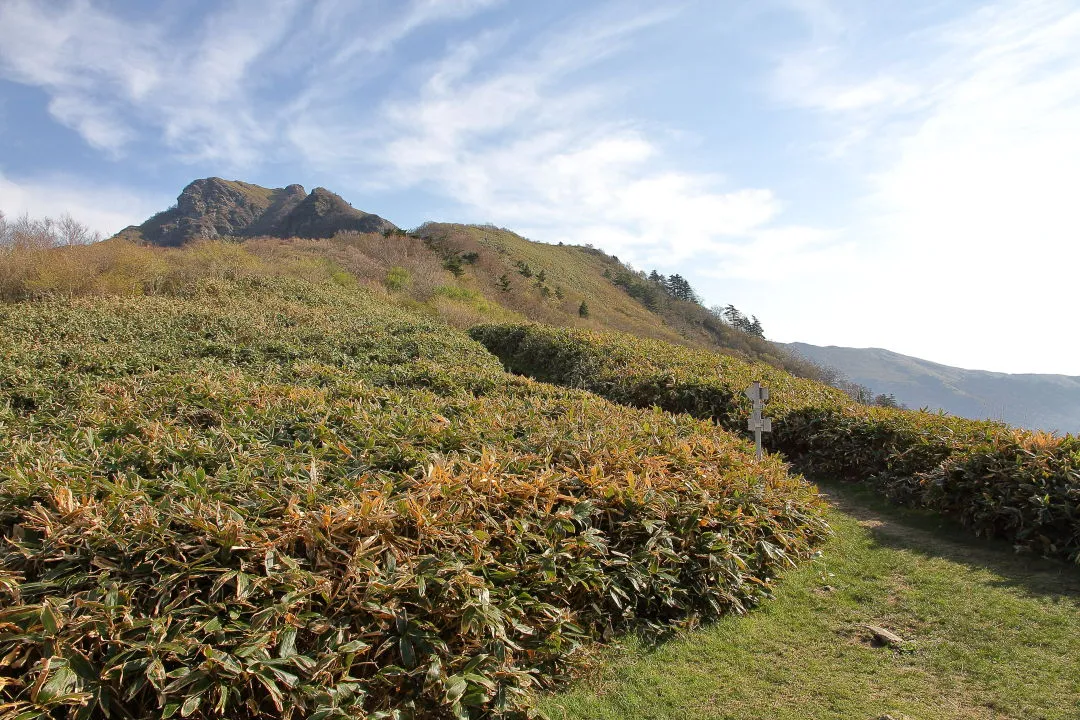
{"points": [[617, 297], [273, 477], [1019, 485], [264, 491], [462, 273]]}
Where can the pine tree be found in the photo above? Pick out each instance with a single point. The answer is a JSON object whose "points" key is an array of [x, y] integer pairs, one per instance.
{"points": [[884, 400], [504, 283], [755, 327], [453, 264], [679, 288], [583, 309]]}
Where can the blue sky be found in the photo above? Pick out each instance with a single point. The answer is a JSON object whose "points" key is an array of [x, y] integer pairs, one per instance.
{"points": [[892, 174]]}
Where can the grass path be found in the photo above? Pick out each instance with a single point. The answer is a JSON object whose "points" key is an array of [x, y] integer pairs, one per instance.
{"points": [[991, 635]]}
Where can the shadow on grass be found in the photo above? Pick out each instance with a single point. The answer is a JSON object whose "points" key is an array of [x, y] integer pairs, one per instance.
{"points": [[932, 535]]}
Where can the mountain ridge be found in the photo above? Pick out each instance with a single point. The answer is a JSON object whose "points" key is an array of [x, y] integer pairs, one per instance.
{"points": [[1032, 400]]}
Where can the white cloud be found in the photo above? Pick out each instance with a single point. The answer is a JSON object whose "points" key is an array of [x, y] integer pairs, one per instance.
{"points": [[106, 209], [416, 15], [816, 78], [501, 124], [501, 130], [777, 255], [970, 222], [99, 126], [83, 59], [106, 75]]}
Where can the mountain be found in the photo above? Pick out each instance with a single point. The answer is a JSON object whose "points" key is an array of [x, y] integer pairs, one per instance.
{"points": [[1046, 402], [212, 207], [464, 273]]}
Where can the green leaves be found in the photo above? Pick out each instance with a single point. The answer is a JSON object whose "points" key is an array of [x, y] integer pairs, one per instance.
{"points": [[293, 501], [999, 481]]}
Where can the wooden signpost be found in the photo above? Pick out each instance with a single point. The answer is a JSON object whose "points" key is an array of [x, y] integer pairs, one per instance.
{"points": [[758, 395]]}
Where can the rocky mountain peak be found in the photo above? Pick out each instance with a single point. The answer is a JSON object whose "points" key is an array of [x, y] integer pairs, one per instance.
{"points": [[214, 207]]}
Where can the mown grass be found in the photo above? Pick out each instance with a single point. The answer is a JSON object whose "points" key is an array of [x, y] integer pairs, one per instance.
{"points": [[267, 497], [991, 635]]}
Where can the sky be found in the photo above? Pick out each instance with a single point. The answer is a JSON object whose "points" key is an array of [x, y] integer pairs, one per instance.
{"points": [[902, 174]]}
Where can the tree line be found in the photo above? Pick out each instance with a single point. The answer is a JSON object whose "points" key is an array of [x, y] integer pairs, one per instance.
{"points": [[655, 289]]}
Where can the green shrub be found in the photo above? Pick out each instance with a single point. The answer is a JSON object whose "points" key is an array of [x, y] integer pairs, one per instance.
{"points": [[397, 278], [271, 498], [456, 292], [1000, 482]]}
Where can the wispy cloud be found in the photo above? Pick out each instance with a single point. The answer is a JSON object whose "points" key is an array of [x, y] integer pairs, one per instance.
{"points": [[416, 15], [514, 125], [86, 60], [107, 77], [210, 92], [502, 130]]}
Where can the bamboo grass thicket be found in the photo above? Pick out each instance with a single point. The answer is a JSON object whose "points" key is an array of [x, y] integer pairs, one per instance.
{"points": [[999, 481], [269, 497]]}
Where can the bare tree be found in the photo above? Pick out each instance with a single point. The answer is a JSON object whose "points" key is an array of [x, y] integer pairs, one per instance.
{"points": [[70, 231], [33, 234], [29, 234]]}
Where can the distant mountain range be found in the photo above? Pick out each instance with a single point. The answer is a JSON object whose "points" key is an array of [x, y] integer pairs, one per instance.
{"points": [[212, 207], [1046, 402]]}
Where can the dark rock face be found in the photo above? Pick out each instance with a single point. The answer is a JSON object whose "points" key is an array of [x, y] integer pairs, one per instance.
{"points": [[322, 213], [213, 207]]}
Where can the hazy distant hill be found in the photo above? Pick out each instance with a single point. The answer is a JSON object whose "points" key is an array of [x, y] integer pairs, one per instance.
{"points": [[1048, 402], [212, 207]]}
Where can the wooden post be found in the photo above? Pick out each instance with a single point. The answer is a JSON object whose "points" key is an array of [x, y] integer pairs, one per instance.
{"points": [[758, 395]]}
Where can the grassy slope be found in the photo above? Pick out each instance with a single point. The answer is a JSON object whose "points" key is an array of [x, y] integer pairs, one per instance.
{"points": [[475, 294], [580, 273], [992, 635]]}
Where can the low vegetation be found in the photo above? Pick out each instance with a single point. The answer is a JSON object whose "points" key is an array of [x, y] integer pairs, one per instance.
{"points": [[271, 479], [999, 481], [261, 495], [986, 635]]}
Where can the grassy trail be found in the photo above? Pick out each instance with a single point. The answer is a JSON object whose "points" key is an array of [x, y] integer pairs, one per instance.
{"points": [[990, 635]]}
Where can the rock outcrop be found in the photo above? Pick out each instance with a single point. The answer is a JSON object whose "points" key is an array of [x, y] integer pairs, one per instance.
{"points": [[213, 207]]}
